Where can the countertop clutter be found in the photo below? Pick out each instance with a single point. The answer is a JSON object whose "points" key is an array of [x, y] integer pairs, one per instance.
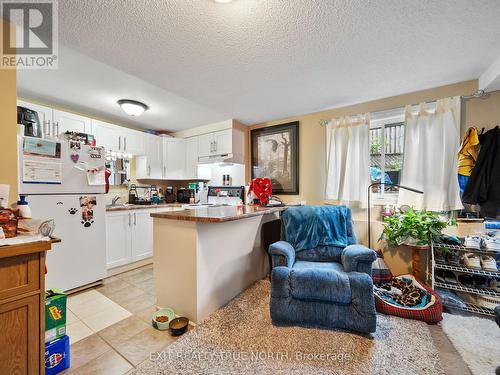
{"points": [[217, 214]]}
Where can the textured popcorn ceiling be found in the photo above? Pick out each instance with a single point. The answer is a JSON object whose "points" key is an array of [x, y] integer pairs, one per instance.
{"points": [[258, 60]]}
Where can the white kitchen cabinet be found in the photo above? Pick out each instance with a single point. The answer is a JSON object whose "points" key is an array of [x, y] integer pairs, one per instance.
{"points": [[133, 141], [118, 236], [205, 145], [106, 135], [174, 158], [129, 236], [223, 142], [150, 165], [191, 157], [142, 234], [71, 122], [117, 138]]}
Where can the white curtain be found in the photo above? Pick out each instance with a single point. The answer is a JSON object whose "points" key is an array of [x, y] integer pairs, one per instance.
{"points": [[431, 143], [348, 161]]}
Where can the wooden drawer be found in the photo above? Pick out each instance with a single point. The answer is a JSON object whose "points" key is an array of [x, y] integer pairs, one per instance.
{"points": [[20, 338], [19, 274]]}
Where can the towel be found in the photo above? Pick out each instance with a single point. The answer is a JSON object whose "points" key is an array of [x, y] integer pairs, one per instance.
{"points": [[308, 227]]}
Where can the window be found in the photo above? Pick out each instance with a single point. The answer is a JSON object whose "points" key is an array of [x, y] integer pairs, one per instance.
{"points": [[386, 155]]}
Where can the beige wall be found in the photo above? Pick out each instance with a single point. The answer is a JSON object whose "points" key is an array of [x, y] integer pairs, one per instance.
{"points": [[8, 130], [475, 112]]}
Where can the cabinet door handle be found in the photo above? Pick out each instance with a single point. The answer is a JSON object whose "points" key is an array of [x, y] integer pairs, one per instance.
{"points": [[135, 219], [119, 143], [215, 146], [129, 220], [149, 170], [124, 143]]}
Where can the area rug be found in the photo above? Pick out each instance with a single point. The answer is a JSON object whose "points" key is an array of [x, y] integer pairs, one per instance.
{"points": [[240, 339], [476, 339]]}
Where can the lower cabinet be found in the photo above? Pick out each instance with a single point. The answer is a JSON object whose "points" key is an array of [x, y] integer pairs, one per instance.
{"points": [[129, 236]]}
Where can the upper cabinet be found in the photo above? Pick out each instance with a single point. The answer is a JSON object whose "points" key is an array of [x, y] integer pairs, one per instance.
{"points": [[192, 158], [224, 145], [44, 113], [117, 138], [69, 122], [150, 165], [174, 158]]}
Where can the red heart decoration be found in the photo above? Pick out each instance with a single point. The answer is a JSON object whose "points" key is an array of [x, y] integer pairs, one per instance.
{"points": [[262, 188]]}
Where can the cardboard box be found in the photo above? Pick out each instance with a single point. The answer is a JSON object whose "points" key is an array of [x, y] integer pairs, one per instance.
{"points": [[57, 356], [55, 314]]}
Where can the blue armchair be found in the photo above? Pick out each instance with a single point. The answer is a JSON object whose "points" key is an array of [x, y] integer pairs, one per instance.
{"points": [[319, 276]]}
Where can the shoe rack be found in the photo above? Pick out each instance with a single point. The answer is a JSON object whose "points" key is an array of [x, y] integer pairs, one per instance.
{"points": [[486, 292]]}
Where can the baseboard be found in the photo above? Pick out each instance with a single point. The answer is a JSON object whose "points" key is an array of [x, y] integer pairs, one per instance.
{"points": [[129, 267]]}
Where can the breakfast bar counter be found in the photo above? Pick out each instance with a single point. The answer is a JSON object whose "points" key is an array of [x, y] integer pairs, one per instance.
{"points": [[217, 214], [204, 257]]}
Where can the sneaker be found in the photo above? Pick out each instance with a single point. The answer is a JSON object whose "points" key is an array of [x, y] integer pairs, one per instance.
{"points": [[487, 302], [488, 263], [454, 259], [492, 243], [471, 261], [466, 280], [494, 284], [439, 256], [480, 281], [473, 242]]}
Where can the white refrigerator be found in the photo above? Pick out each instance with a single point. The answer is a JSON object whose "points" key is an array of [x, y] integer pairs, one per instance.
{"points": [[76, 205]]}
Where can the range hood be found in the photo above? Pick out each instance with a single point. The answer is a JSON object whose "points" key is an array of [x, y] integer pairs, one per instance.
{"points": [[221, 158]]}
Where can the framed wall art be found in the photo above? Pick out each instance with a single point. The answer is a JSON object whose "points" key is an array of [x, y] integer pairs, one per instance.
{"points": [[275, 154]]}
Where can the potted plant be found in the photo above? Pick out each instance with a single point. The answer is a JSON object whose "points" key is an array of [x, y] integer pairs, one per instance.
{"points": [[414, 228]]}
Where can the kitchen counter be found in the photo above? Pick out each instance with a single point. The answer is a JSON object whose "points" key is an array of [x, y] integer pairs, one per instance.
{"points": [[204, 257], [141, 206], [217, 214]]}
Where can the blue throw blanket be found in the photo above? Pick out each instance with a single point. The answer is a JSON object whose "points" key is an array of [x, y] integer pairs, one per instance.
{"points": [[308, 227]]}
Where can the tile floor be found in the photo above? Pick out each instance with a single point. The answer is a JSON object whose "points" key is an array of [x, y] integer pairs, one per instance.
{"points": [[110, 325]]}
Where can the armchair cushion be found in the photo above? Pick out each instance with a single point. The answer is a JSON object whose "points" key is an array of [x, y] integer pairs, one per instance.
{"points": [[282, 254], [321, 254], [358, 258], [320, 284]]}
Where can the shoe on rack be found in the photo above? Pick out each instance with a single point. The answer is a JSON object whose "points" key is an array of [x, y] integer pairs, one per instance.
{"points": [[488, 263], [492, 243], [439, 276], [473, 242], [488, 302], [454, 259], [480, 281], [466, 280], [471, 261], [439, 256], [494, 284], [450, 277]]}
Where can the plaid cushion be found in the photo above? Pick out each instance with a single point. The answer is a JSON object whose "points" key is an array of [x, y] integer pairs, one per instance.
{"points": [[380, 272], [432, 314]]}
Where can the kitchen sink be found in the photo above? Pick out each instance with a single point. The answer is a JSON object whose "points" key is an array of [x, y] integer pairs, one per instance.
{"points": [[118, 205]]}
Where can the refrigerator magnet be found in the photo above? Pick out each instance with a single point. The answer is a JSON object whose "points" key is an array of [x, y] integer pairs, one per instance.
{"points": [[87, 205]]}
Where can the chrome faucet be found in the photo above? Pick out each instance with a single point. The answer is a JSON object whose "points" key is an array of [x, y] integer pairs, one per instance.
{"points": [[115, 199]]}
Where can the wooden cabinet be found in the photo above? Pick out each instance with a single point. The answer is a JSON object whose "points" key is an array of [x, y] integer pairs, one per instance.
{"points": [[22, 308], [71, 122], [129, 236]]}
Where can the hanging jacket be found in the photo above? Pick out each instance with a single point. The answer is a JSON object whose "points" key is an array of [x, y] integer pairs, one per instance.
{"points": [[468, 153], [483, 187]]}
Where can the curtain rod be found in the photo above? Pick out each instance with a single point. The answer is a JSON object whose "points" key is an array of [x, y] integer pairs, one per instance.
{"points": [[478, 94]]}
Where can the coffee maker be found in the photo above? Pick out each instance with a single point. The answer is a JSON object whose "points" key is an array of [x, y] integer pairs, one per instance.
{"points": [[29, 118]]}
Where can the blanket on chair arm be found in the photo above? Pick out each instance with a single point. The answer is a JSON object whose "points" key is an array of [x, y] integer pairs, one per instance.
{"points": [[309, 227]]}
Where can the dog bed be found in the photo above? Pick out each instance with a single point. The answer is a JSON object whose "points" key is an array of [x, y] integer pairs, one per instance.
{"points": [[428, 309]]}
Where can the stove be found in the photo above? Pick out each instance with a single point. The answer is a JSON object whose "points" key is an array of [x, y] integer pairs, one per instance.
{"points": [[226, 195]]}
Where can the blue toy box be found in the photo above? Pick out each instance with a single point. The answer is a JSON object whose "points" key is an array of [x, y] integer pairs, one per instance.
{"points": [[57, 355]]}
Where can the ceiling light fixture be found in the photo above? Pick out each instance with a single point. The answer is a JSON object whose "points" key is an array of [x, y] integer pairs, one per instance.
{"points": [[223, 1], [132, 107]]}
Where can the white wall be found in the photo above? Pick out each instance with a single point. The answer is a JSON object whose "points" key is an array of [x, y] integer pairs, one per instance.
{"points": [[236, 171]]}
